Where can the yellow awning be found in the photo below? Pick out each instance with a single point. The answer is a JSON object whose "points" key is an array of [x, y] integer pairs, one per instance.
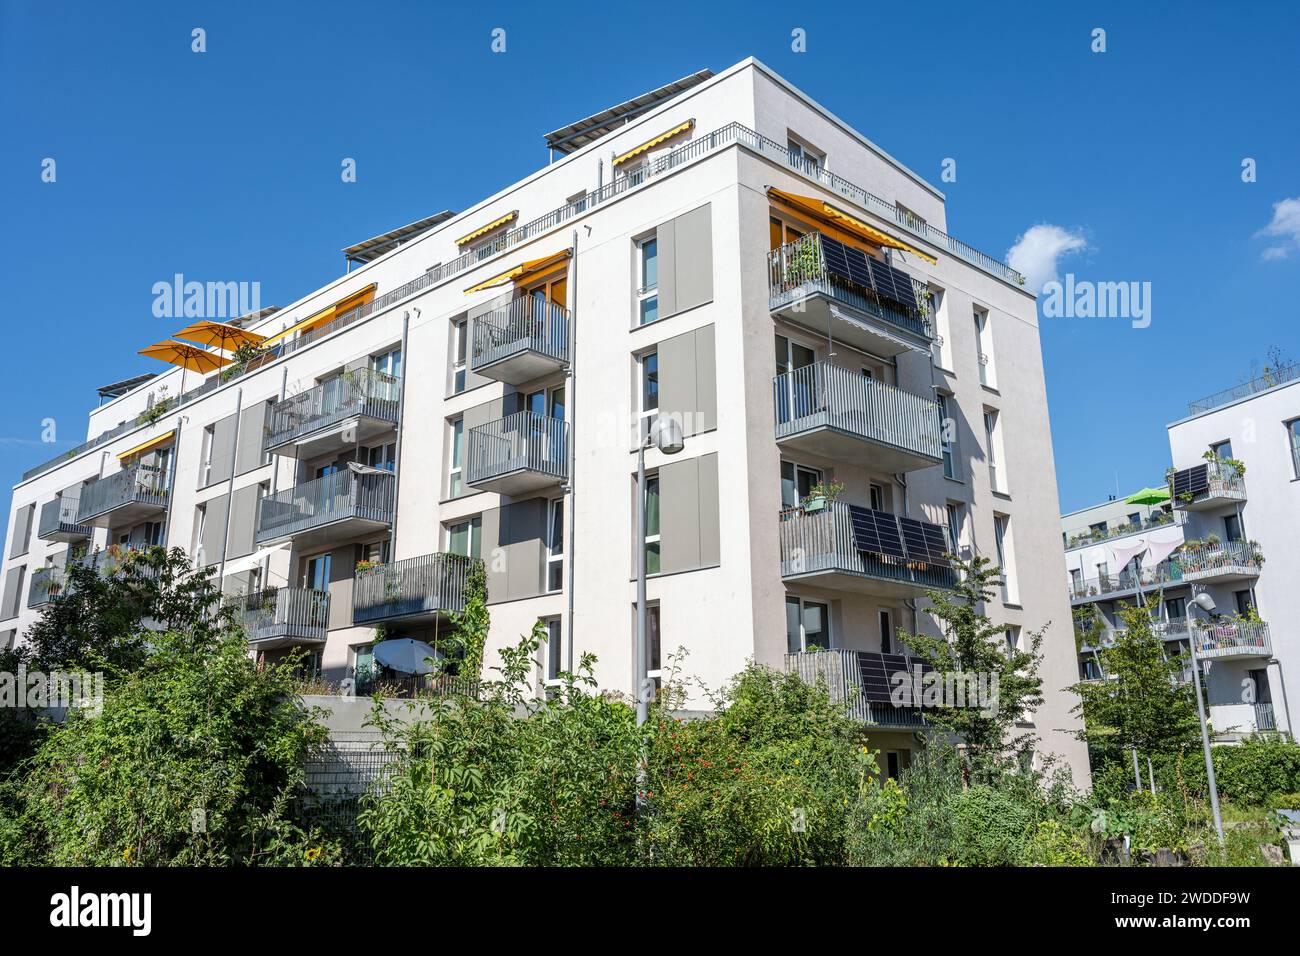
{"points": [[345, 304], [652, 143], [484, 230], [532, 267], [149, 445], [825, 212]]}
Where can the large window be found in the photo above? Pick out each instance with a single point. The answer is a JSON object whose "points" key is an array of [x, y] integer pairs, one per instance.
{"points": [[797, 483], [459, 349], [555, 546], [984, 349], [948, 427], [652, 524], [466, 538], [205, 464], [807, 625], [654, 645], [647, 295], [1006, 557], [316, 572], [389, 363], [886, 631], [649, 366], [455, 472], [997, 481], [554, 646], [1293, 437]]}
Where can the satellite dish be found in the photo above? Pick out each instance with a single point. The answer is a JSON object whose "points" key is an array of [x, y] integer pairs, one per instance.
{"points": [[404, 655]]}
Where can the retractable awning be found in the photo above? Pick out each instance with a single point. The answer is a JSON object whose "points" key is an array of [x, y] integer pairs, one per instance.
{"points": [[147, 446], [484, 230], [652, 143], [345, 304], [523, 271], [824, 212]]}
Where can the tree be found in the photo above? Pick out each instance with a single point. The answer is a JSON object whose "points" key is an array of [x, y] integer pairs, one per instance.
{"points": [[971, 645], [471, 624], [1144, 703]]}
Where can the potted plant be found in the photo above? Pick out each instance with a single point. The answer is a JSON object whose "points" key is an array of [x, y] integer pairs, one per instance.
{"points": [[822, 494]]}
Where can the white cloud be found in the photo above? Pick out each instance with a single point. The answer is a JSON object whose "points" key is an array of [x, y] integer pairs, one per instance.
{"points": [[1284, 227], [1038, 250]]}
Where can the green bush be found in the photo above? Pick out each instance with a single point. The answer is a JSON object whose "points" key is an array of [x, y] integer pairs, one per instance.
{"points": [[1056, 843], [990, 827]]}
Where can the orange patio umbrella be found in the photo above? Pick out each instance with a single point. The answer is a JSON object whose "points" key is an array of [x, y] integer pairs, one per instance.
{"points": [[186, 356], [220, 335]]}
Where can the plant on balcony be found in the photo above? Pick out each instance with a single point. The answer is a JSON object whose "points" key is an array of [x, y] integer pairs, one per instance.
{"points": [[154, 412], [366, 564], [1212, 540], [822, 494], [803, 262], [470, 624], [1233, 465], [243, 357]]}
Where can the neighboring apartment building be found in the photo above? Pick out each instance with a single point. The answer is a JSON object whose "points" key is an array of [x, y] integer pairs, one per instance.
{"points": [[717, 250], [1213, 535]]}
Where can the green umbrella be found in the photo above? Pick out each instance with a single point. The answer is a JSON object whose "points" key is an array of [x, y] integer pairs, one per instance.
{"points": [[1148, 496]]}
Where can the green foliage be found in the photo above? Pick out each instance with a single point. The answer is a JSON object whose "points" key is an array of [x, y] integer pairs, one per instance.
{"points": [[1251, 773], [1056, 843], [195, 727], [990, 827], [470, 625]]}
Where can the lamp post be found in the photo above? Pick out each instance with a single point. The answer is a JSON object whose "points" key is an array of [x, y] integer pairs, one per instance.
{"points": [[1206, 604], [664, 433]]}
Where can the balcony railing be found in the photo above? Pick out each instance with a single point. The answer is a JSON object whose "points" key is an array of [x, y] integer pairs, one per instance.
{"points": [[1230, 559], [523, 443], [1161, 519], [356, 393], [530, 332], [838, 538], [697, 148], [825, 396], [861, 680], [47, 584], [283, 613], [1167, 572], [1265, 719], [58, 521], [337, 497], [816, 264], [1286, 372], [142, 485], [1219, 639], [429, 584], [1207, 485]]}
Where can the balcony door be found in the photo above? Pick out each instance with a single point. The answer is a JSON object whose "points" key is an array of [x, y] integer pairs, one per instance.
{"points": [[807, 625], [796, 395], [545, 440]]}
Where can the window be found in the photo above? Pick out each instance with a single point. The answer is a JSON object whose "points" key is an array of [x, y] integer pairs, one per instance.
{"points": [[983, 349], [652, 524], [647, 280], [996, 481], [459, 348], [455, 476], [363, 662], [1293, 436], [388, 363], [955, 522], [934, 301], [1175, 608], [1006, 557], [886, 631], [1245, 602], [949, 434], [1098, 528], [797, 482], [382, 456], [555, 546], [877, 498], [1012, 635], [807, 625], [1222, 449], [554, 641], [466, 538], [653, 645], [196, 544], [804, 158], [316, 572], [649, 363], [1232, 528], [205, 463], [373, 552], [795, 396]]}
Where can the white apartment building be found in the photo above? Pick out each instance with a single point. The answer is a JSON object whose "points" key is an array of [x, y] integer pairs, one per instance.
{"points": [[723, 250], [1213, 535]]}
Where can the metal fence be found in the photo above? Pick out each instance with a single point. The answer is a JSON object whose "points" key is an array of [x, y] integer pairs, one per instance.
{"points": [[427, 584], [359, 392], [526, 324], [283, 612], [825, 395], [1288, 372], [524, 441], [1207, 561], [141, 483], [343, 494]]}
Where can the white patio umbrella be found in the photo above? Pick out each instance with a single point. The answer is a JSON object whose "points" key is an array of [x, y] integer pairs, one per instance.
{"points": [[404, 655]]}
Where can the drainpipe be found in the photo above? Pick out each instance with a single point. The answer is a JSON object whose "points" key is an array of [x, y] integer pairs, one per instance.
{"points": [[1286, 707], [570, 388], [401, 421], [230, 485]]}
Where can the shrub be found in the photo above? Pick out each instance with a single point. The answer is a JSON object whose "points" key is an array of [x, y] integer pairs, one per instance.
{"points": [[1056, 843], [990, 827]]}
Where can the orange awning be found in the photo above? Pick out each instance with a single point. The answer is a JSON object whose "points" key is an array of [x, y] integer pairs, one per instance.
{"points": [[147, 446], [343, 305], [523, 271], [652, 143], [484, 230], [824, 212]]}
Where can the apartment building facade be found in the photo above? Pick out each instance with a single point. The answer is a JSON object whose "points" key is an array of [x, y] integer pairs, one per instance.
{"points": [[860, 394], [1232, 506]]}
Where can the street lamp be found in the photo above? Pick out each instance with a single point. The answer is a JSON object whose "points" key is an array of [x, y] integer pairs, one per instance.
{"points": [[664, 433], [1206, 604]]}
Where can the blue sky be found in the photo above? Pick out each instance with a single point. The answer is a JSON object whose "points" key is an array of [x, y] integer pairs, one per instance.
{"points": [[225, 165]]}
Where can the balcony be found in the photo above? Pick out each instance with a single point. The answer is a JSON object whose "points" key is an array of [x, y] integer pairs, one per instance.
{"points": [[518, 454], [842, 546], [334, 508], [58, 520], [1108, 587], [820, 283], [1205, 487], [1232, 561], [412, 589], [355, 407], [283, 617], [863, 681], [125, 497], [47, 584], [834, 412], [1220, 640], [522, 341]]}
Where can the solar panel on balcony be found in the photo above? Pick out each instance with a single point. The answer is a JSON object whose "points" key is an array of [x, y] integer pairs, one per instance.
{"points": [[877, 671], [892, 284], [876, 532], [925, 541], [1191, 481]]}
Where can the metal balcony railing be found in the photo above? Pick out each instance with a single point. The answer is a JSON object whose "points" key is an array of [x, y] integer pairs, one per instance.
{"points": [[1212, 481], [429, 584], [825, 395], [1232, 638], [141, 484], [1231, 557], [524, 441], [1164, 573], [527, 324], [360, 392], [47, 584], [1265, 719], [861, 681], [838, 537], [802, 268], [335, 497], [1160, 519], [273, 613], [59, 519], [1285, 372]]}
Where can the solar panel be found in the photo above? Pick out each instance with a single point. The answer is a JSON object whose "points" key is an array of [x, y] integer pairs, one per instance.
{"points": [[877, 669], [876, 532], [925, 541], [1192, 481], [869, 273], [893, 284]]}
